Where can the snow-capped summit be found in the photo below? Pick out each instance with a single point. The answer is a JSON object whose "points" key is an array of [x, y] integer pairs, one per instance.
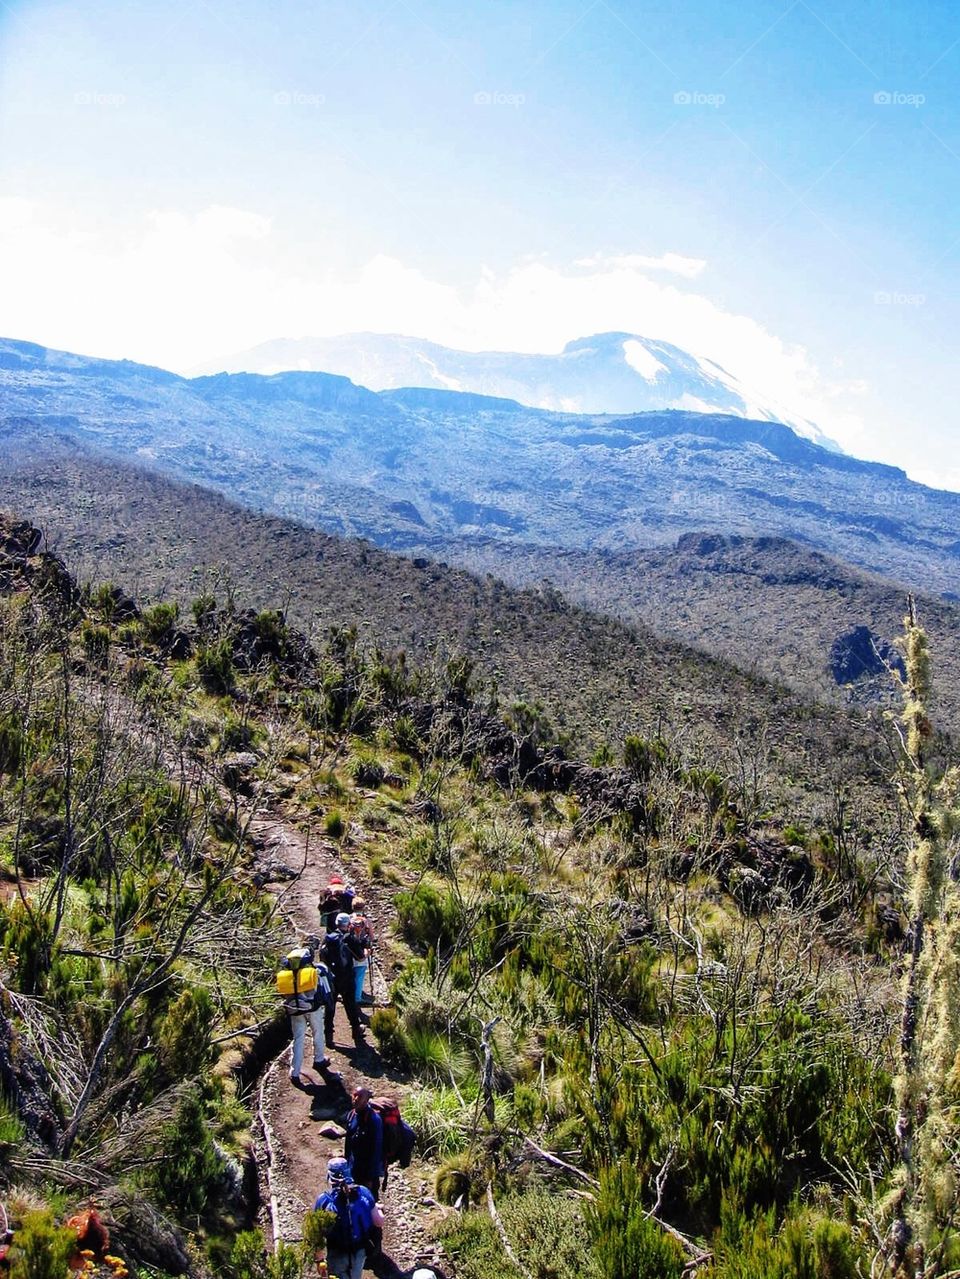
{"points": [[607, 373]]}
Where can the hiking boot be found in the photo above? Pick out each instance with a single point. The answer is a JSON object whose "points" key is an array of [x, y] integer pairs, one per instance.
{"points": [[323, 1065], [294, 1079]]}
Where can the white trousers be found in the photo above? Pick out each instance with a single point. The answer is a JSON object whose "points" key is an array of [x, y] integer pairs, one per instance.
{"points": [[298, 1025]]}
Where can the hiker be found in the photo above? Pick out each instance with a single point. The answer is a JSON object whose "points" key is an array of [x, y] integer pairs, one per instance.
{"points": [[361, 929], [310, 995], [357, 1213], [336, 897], [340, 952], [363, 1145]]}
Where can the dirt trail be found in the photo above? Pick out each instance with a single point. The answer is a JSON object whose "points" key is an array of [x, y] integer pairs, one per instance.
{"points": [[295, 1117]]}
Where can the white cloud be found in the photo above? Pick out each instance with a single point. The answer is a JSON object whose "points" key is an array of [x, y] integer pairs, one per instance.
{"points": [[674, 263], [180, 289]]}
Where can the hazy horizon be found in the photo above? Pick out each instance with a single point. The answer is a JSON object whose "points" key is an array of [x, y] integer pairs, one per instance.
{"points": [[771, 188]]}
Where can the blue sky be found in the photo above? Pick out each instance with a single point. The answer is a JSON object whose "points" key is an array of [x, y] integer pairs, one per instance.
{"points": [[772, 184]]}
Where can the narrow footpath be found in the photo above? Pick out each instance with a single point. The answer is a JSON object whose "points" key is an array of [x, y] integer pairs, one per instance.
{"points": [[302, 1125]]}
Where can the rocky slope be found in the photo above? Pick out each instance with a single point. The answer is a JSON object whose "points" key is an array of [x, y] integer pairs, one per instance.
{"points": [[408, 467]]}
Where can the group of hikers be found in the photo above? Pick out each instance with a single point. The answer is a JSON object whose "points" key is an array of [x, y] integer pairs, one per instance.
{"points": [[324, 970], [312, 978]]}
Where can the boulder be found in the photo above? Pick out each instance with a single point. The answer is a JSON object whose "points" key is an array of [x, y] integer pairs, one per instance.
{"points": [[860, 654]]}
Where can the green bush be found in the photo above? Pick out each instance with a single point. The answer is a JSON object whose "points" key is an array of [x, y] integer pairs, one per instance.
{"points": [[367, 770], [626, 1243], [441, 1119], [11, 744], [215, 667], [386, 1029], [188, 1170], [549, 1235], [96, 643], [472, 1241], [454, 1180], [248, 1256], [429, 917], [41, 1249], [805, 1247], [183, 1036], [159, 623]]}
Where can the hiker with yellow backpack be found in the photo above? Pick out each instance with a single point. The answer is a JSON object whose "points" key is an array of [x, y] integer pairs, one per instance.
{"points": [[307, 991]]}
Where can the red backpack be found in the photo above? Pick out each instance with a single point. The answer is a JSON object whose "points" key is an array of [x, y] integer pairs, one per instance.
{"points": [[399, 1138]]}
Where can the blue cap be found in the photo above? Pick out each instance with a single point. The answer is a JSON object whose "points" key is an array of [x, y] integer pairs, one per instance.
{"points": [[339, 1168]]}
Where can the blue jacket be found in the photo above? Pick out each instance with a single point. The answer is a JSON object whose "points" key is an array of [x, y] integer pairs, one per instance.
{"points": [[364, 1144], [354, 1211]]}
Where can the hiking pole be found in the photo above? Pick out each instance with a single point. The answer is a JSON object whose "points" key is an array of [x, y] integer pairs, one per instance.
{"points": [[386, 984]]}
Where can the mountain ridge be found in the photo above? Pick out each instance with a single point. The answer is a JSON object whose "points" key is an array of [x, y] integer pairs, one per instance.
{"points": [[408, 467], [611, 372]]}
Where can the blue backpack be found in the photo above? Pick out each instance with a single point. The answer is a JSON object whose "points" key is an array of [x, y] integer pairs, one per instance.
{"points": [[354, 1209]]}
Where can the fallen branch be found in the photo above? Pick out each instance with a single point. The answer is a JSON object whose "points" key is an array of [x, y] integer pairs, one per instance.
{"points": [[271, 1160], [698, 1257], [244, 1030], [556, 1162], [504, 1239], [660, 1180]]}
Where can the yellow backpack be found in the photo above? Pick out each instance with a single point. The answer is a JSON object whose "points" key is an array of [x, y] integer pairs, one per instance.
{"points": [[297, 974]]}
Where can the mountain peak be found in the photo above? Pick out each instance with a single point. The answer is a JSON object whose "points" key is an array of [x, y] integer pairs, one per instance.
{"points": [[611, 372]]}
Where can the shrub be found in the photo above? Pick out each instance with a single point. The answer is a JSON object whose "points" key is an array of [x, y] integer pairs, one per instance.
{"points": [[433, 1055], [367, 770], [472, 1241], [183, 1037], [453, 1180], [41, 1249], [11, 744], [272, 635], [237, 734], [441, 1119], [549, 1235], [333, 824], [406, 736], [386, 1029], [286, 1262], [12, 1130], [96, 643], [626, 1243], [215, 667], [427, 917], [159, 623], [248, 1256], [188, 1171]]}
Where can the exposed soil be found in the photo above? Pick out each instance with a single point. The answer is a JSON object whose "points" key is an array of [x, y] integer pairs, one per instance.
{"points": [[298, 1121]]}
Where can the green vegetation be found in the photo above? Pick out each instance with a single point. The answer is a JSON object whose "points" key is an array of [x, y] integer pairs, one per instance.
{"points": [[650, 1002]]}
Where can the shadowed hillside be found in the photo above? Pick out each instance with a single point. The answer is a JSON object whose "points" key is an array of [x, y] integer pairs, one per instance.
{"points": [[594, 677], [787, 611]]}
